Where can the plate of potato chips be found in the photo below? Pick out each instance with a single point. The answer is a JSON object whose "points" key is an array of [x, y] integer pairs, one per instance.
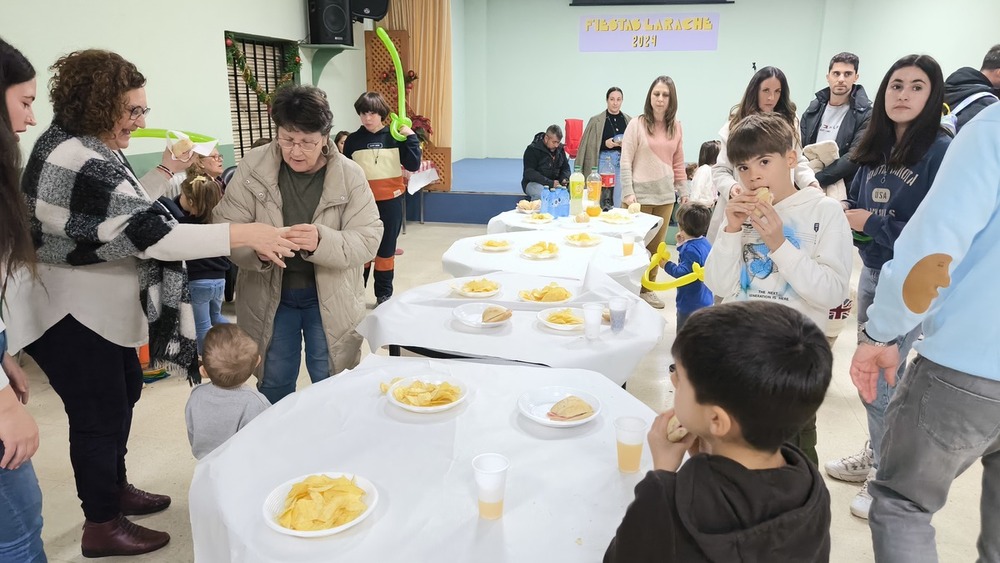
{"points": [[493, 245], [582, 239], [320, 504], [481, 287], [562, 318], [541, 250], [551, 293], [428, 393]]}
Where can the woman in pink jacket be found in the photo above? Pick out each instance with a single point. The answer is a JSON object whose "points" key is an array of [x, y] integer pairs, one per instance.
{"points": [[653, 163]]}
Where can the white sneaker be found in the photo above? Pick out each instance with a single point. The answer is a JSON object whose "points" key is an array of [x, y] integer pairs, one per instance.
{"points": [[853, 468], [652, 299], [863, 500]]}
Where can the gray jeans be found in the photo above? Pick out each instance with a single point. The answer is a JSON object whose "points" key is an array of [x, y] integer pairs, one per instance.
{"points": [[877, 408], [940, 421], [534, 190]]}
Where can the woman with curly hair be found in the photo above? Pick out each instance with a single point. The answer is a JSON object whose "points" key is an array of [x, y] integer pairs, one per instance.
{"points": [[110, 273]]}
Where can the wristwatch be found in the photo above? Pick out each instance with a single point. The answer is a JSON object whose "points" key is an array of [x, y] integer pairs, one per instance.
{"points": [[864, 338]]}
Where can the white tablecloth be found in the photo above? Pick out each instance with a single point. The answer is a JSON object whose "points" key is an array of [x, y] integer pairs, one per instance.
{"points": [[564, 497], [512, 221], [462, 258], [423, 316]]}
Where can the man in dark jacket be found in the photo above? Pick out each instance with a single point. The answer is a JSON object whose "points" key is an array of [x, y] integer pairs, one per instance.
{"points": [[545, 163], [967, 82], [839, 113]]}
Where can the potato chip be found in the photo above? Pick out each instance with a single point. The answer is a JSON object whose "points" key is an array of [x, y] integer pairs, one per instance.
{"points": [[319, 503], [564, 317], [550, 293], [581, 237], [384, 387], [480, 286], [541, 217], [491, 243], [424, 394], [542, 248]]}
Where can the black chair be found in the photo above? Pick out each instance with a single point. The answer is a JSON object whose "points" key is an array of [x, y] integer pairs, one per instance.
{"points": [[227, 175]]}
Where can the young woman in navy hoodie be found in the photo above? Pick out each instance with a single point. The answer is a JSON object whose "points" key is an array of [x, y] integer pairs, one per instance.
{"points": [[899, 154]]}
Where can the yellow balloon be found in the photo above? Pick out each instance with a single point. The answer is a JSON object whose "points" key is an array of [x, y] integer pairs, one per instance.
{"points": [[662, 255]]}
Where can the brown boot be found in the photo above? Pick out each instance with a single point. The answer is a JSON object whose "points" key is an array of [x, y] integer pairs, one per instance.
{"points": [[119, 536], [135, 502]]}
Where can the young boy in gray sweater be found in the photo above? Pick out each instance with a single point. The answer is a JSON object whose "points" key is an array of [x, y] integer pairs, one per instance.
{"points": [[217, 410]]}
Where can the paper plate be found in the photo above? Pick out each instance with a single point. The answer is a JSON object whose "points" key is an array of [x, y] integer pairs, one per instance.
{"points": [[540, 256], [457, 288], [616, 218], [535, 405], [274, 505], [525, 211], [543, 316], [544, 302], [429, 377], [593, 242], [533, 221], [471, 314], [481, 247]]}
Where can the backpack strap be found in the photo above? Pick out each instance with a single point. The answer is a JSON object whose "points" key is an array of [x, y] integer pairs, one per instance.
{"points": [[968, 101]]}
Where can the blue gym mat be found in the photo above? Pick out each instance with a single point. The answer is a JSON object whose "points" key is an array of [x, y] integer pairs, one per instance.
{"points": [[487, 175]]}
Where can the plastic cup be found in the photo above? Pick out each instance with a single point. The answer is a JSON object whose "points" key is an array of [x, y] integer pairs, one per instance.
{"points": [[618, 307], [491, 479], [630, 434], [628, 244], [592, 313]]}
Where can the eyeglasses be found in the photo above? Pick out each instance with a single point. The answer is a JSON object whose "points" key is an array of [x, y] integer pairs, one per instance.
{"points": [[136, 111], [217, 157], [304, 146]]}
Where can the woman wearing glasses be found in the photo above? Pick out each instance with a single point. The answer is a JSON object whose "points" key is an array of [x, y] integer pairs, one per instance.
{"points": [[110, 272], [302, 183]]}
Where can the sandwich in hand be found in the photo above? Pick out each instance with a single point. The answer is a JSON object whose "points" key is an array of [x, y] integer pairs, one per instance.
{"points": [[675, 432], [763, 194], [181, 146]]}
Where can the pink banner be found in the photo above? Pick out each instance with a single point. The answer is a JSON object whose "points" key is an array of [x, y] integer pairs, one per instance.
{"points": [[650, 32]]}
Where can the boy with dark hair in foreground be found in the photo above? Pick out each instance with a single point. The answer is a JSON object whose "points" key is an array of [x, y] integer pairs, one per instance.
{"points": [[747, 377]]}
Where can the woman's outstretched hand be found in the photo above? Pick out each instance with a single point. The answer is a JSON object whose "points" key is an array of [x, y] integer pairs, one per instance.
{"points": [[267, 241]]}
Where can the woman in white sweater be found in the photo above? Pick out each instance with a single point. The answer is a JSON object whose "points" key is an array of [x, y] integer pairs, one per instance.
{"points": [[767, 92], [109, 262], [653, 163]]}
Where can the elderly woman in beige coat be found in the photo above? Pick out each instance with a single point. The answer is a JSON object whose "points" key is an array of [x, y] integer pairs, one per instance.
{"points": [[302, 183]]}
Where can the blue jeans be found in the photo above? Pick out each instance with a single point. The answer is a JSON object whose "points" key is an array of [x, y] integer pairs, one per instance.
{"points": [[20, 516], [616, 160], [876, 409], [297, 319], [206, 299], [940, 422]]}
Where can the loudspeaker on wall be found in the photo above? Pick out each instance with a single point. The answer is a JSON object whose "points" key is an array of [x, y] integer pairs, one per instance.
{"points": [[330, 22]]}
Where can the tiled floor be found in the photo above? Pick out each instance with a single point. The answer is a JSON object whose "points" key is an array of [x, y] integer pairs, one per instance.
{"points": [[160, 459]]}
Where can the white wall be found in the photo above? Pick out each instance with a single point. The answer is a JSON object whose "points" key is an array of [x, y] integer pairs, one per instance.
{"points": [[179, 47], [532, 74]]}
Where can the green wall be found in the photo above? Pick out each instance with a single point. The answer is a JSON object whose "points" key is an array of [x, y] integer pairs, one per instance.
{"points": [[520, 67]]}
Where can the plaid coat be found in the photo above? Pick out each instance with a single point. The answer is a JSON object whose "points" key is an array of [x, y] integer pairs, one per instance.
{"points": [[82, 214]]}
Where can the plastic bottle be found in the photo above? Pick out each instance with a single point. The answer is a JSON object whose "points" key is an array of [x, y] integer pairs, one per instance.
{"points": [[576, 183], [594, 187]]}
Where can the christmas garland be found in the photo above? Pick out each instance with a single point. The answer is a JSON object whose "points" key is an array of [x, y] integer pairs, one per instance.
{"points": [[235, 56]]}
